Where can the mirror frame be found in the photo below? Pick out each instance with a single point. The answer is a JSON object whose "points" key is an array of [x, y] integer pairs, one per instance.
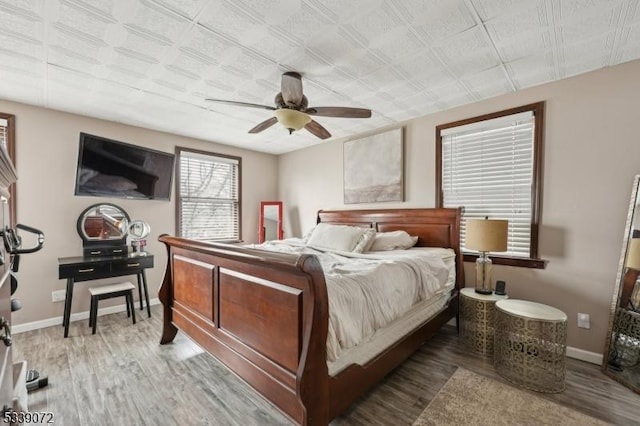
{"points": [[280, 233], [86, 240], [138, 223], [619, 283]]}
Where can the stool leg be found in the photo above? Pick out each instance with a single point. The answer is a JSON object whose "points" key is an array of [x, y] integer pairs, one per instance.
{"points": [[126, 302], [95, 315], [94, 310]]}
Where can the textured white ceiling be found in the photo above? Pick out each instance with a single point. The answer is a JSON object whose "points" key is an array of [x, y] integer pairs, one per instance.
{"points": [[151, 63]]}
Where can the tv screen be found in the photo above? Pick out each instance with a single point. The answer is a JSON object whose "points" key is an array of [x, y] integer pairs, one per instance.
{"points": [[108, 168]]}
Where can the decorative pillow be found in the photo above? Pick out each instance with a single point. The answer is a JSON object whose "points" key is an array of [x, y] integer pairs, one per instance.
{"points": [[365, 241], [336, 237], [395, 240]]}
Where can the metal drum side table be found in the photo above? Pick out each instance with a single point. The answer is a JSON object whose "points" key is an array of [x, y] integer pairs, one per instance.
{"points": [[477, 320], [530, 345]]}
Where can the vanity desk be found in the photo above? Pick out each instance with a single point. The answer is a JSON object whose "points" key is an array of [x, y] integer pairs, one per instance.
{"points": [[104, 229], [79, 268]]}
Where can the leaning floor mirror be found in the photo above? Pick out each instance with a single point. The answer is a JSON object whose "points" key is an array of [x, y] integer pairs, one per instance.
{"points": [[622, 350], [270, 227]]}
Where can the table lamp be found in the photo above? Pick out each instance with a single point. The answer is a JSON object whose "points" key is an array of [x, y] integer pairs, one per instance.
{"points": [[633, 256], [485, 235]]}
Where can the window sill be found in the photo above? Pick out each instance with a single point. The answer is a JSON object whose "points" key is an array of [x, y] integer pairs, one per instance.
{"points": [[227, 241], [510, 261]]}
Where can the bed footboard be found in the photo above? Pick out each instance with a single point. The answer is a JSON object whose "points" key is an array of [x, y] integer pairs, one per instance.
{"points": [[264, 315]]}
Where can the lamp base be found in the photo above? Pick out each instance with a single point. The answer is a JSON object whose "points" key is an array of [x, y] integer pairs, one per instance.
{"points": [[484, 268]]}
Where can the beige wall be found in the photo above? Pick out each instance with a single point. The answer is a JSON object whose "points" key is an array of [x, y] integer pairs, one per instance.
{"points": [[47, 153], [592, 152]]}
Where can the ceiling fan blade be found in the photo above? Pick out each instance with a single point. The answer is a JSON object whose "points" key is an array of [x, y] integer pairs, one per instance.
{"points": [[339, 112], [291, 88], [317, 129], [264, 125], [244, 104]]}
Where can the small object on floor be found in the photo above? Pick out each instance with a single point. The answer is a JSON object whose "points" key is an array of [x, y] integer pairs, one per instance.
{"points": [[32, 375], [35, 381]]}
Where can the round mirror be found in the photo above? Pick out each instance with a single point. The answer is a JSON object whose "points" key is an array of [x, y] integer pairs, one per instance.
{"points": [[103, 222], [139, 230]]}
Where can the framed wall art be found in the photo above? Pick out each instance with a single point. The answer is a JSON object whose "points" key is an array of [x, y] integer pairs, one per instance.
{"points": [[374, 168]]}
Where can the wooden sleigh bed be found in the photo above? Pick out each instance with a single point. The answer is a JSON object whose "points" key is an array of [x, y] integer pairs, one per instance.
{"points": [[265, 314]]}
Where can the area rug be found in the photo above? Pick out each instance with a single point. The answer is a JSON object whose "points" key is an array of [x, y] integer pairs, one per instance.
{"points": [[470, 399]]}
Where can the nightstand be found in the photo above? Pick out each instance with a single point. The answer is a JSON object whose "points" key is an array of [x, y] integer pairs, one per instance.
{"points": [[477, 320], [531, 342]]}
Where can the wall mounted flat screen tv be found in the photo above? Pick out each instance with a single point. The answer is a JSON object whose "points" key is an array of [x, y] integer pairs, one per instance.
{"points": [[109, 168]]}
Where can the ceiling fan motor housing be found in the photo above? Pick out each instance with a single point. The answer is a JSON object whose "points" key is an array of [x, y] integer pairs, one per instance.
{"points": [[280, 103]]}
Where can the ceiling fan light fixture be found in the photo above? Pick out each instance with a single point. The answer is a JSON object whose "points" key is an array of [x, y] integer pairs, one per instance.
{"points": [[291, 119]]}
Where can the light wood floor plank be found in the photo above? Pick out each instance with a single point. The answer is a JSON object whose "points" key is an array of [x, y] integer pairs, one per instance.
{"points": [[120, 375]]}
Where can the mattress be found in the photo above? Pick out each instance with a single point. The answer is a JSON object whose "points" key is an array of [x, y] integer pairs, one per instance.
{"points": [[387, 336], [368, 292]]}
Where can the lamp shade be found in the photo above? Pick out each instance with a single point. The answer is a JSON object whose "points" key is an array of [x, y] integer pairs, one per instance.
{"points": [[292, 119], [633, 254], [486, 234]]}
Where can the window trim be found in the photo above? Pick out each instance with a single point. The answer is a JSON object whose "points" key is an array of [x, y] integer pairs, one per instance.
{"points": [[178, 151], [536, 188], [11, 149]]}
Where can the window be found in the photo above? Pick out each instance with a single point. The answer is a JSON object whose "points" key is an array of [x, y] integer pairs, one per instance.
{"points": [[208, 196], [491, 165], [7, 139]]}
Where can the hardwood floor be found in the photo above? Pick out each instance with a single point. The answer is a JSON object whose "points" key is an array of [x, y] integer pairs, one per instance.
{"points": [[122, 375]]}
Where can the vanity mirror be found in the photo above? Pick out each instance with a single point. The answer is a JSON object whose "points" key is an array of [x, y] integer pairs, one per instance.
{"points": [[103, 228], [270, 227], [622, 348]]}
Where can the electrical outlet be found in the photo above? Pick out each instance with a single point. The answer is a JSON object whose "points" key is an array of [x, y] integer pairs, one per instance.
{"points": [[58, 296], [584, 321]]}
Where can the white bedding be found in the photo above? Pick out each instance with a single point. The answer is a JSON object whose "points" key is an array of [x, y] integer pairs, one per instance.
{"points": [[368, 291]]}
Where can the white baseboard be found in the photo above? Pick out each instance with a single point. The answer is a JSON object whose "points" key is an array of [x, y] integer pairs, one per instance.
{"points": [[582, 355], [575, 353], [35, 325]]}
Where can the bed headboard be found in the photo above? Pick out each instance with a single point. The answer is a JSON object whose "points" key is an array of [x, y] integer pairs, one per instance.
{"points": [[434, 227]]}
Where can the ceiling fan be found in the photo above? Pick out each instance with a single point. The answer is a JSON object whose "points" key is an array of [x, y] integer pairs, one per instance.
{"points": [[292, 110]]}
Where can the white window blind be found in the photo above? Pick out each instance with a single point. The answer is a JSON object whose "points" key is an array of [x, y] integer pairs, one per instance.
{"points": [[3, 132], [208, 197], [487, 167]]}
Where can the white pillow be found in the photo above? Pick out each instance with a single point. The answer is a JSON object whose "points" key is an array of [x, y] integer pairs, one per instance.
{"points": [[307, 234], [395, 240], [336, 237]]}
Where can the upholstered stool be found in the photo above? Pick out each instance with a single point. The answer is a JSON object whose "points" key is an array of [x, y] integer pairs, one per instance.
{"points": [[530, 345], [107, 292]]}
